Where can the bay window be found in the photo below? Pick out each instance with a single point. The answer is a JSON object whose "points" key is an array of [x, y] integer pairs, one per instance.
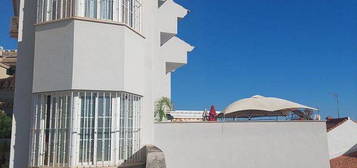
{"points": [[84, 128], [122, 11]]}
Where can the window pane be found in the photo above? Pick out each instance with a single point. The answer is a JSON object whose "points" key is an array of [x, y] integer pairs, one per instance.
{"points": [[95, 132], [106, 150], [100, 106], [91, 8], [99, 150], [129, 11]]}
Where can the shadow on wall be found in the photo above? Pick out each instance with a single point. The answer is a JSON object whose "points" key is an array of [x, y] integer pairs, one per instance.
{"points": [[147, 157], [137, 160], [352, 150], [4, 153]]}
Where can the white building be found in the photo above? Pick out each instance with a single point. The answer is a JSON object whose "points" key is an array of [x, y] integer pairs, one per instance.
{"points": [[342, 136], [88, 74]]}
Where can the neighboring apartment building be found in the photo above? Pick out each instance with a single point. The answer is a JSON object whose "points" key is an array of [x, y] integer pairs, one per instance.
{"points": [[88, 74], [14, 27], [7, 79], [7, 62]]}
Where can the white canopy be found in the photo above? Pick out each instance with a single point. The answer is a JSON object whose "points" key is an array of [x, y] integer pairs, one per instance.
{"points": [[258, 106]]}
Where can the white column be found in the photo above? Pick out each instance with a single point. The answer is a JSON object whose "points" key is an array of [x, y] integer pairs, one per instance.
{"points": [[55, 129], [32, 132], [116, 10], [99, 15], [95, 129], [113, 130], [75, 129], [120, 10], [117, 128], [42, 127], [80, 8]]}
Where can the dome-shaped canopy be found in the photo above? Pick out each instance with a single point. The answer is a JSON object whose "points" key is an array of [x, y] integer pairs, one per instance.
{"points": [[259, 106]]}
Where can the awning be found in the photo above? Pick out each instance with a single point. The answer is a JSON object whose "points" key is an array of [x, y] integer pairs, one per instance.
{"points": [[260, 106]]}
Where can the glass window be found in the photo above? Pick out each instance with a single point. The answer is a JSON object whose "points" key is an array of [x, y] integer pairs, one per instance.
{"points": [[124, 11], [89, 125], [90, 8], [106, 9], [50, 130]]}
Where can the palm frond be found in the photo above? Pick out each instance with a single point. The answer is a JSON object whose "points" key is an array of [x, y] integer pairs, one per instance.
{"points": [[162, 107]]}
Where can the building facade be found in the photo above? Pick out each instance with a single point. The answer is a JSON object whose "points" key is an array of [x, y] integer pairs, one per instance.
{"points": [[88, 75]]}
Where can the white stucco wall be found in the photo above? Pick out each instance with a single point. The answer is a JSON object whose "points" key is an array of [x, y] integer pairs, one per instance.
{"points": [[89, 55], [243, 144], [342, 139], [20, 133], [168, 14], [53, 59], [98, 58], [82, 55]]}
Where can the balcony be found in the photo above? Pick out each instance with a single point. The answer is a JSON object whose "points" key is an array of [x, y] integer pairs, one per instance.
{"points": [[169, 13], [14, 29], [175, 53], [126, 12]]}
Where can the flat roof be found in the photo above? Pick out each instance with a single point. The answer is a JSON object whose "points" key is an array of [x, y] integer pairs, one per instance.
{"points": [[251, 121]]}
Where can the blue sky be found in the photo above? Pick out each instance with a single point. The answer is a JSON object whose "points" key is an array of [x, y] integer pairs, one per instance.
{"points": [[300, 50], [5, 20]]}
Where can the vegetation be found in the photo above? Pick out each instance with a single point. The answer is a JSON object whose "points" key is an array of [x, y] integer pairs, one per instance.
{"points": [[5, 125], [162, 107], [4, 153]]}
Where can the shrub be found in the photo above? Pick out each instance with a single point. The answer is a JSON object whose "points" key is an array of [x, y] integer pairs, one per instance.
{"points": [[5, 125], [162, 107]]}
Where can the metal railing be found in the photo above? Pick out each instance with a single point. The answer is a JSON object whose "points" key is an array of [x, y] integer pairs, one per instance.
{"points": [[127, 12], [85, 129]]}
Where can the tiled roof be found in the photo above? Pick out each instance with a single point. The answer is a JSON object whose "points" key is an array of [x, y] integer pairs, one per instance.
{"points": [[345, 161], [333, 123], [10, 61]]}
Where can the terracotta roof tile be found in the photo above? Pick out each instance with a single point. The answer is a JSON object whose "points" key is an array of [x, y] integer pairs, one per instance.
{"points": [[333, 123], [345, 161]]}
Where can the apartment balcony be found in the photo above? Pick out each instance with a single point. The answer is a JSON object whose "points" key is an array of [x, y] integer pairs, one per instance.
{"points": [[14, 29], [169, 13], [175, 53]]}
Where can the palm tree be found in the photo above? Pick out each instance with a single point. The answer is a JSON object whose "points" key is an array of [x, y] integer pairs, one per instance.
{"points": [[162, 107]]}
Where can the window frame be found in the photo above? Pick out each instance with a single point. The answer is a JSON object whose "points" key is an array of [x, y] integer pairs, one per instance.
{"points": [[128, 12], [72, 106]]}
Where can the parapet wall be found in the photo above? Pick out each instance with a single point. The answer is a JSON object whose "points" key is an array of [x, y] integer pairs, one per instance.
{"points": [[343, 139], [243, 144]]}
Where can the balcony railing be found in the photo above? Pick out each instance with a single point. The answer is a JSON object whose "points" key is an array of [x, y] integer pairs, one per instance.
{"points": [[127, 12], [14, 27]]}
